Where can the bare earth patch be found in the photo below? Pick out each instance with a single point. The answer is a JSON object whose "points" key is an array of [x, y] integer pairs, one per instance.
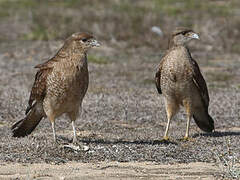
{"points": [[108, 170]]}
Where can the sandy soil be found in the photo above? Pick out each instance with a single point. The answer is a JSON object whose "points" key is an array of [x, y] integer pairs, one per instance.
{"points": [[108, 170]]}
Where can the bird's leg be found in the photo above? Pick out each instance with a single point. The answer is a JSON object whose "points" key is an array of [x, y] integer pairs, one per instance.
{"points": [[171, 109], [52, 120], [54, 133], [73, 117], [165, 137], [187, 130], [188, 108], [74, 132]]}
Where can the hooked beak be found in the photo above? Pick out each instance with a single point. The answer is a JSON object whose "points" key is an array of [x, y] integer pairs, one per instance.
{"points": [[194, 36], [94, 43]]}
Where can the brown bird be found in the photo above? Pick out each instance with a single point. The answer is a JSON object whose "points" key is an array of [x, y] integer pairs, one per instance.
{"points": [[181, 83], [60, 86]]}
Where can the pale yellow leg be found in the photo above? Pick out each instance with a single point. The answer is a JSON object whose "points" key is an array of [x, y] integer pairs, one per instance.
{"points": [[54, 133], [73, 117], [74, 132], [171, 108], [52, 120], [188, 108], [165, 137], [187, 130]]}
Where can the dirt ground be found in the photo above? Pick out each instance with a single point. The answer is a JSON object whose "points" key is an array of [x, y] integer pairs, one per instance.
{"points": [[108, 170]]}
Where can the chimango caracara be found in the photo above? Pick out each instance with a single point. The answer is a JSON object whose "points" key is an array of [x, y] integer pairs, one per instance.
{"points": [[181, 83], [60, 86]]}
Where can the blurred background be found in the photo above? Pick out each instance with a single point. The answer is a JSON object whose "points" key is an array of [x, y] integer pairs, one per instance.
{"points": [[128, 22]]}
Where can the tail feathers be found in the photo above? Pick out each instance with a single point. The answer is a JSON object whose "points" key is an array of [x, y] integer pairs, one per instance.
{"points": [[25, 126], [204, 121]]}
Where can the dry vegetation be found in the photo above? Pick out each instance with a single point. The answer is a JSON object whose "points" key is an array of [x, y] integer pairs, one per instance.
{"points": [[123, 117]]}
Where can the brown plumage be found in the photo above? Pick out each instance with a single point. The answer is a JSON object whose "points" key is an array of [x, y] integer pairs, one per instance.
{"points": [[181, 83], [60, 86]]}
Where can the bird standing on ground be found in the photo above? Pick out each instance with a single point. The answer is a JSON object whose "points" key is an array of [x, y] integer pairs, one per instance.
{"points": [[60, 86], [180, 81]]}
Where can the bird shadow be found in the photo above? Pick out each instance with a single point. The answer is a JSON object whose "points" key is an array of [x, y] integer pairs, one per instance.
{"points": [[218, 134], [149, 142], [141, 142], [63, 140]]}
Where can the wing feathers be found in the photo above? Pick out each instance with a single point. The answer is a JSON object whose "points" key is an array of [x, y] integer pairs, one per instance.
{"points": [[201, 116], [158, 75], [200, 83], [158, 81]]}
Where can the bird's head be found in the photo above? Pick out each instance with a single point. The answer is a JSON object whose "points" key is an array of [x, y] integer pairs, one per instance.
{"points": [[82, 41], [181, 36]]}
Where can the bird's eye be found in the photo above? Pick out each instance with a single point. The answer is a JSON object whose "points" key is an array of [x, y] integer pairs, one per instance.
{"points": [[186, 33], [84, 39]]}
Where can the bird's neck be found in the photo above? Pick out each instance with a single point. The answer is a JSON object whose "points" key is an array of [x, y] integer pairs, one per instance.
{"points": [[181, 50], [75, 57], [79, 58], [177, 46]]}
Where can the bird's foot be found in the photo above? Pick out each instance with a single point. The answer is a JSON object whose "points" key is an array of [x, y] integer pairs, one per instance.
{"points": [[77, 146], [165, 139], [74, 141], [56, 142], [85, 148], [186, 138]]}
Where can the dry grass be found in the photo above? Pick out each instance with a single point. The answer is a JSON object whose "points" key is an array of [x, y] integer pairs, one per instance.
{"points": [[124, 21]]}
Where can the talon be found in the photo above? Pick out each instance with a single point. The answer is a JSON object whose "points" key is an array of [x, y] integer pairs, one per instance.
{"points": [[165, 138], [186, 138], [56, 142], [74, 141]]}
